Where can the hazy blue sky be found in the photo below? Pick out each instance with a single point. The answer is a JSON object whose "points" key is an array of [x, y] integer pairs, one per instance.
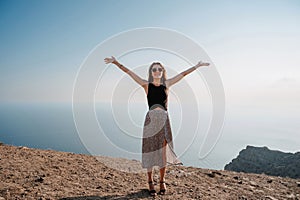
{"points": [[255, 45]]}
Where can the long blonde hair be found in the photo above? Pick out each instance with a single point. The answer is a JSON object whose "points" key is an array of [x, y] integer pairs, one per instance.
{"points": [[164, 76]]}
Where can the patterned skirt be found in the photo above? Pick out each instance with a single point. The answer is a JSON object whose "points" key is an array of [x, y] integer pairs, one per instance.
{"points": [[157, 148]]}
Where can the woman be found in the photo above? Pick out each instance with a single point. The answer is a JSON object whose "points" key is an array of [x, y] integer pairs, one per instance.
{"points": [[157, 148]]}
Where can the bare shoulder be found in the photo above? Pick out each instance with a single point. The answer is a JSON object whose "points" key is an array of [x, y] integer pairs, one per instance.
{"points": [[167, 83], [145, 84]]}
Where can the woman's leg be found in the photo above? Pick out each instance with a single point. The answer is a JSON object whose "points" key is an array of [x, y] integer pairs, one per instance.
{"points": [[162, 174], [162, 170], [149, 173], [150, 181]]}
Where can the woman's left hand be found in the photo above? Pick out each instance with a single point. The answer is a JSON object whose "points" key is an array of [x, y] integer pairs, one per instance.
{"points": [[199, 64]]}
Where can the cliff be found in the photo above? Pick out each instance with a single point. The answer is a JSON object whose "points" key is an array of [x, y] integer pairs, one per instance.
{"points": [[263, 160], [27, 173]]}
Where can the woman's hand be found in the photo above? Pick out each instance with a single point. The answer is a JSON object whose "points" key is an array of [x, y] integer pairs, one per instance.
{"points": [[110, 60], [199, 64]]}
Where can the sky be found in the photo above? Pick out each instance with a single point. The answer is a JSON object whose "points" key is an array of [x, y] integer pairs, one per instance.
{"points": [[254, 45]]}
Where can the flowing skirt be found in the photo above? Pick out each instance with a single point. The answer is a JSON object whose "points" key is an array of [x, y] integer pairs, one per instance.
{"points": [[157, 147]]}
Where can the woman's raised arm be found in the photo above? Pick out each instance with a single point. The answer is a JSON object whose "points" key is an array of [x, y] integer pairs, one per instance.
{"points": [[135, 77], [179, 76]]}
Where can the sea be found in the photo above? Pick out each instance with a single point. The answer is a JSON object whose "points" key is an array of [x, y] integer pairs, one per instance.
{"points": [[116, 130]]}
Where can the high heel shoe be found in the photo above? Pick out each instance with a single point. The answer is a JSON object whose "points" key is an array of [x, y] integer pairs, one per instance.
{"points": [[162, 190], [152, 192]]}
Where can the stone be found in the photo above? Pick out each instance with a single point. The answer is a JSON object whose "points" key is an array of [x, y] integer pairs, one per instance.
{"points": [[270, 197], [40, 180]]}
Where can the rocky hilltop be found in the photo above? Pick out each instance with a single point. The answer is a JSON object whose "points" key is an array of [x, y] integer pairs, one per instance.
{"points": [[263, 160], [27, 173]]}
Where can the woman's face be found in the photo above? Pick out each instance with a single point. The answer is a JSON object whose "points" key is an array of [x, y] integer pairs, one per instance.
{"points": [[157, 71]]}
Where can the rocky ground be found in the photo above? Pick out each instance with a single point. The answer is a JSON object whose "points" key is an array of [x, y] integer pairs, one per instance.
{"points": [[27, 173]]}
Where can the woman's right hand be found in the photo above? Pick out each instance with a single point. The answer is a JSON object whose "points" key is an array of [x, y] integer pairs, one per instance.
{"points": [[110, 60]]}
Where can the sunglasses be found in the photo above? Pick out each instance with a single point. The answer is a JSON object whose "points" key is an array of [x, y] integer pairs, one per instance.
{"points": [[155, 69]]}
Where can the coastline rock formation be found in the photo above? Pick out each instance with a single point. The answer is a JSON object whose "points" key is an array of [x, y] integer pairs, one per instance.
{"points": [[263, 160], [27, 173]]}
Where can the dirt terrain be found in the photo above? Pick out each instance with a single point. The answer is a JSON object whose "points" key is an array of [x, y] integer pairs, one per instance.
{"points": [[27, 173]]}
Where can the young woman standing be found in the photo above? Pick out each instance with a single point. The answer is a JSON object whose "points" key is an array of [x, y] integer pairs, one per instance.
{"points": [[157, 144]]}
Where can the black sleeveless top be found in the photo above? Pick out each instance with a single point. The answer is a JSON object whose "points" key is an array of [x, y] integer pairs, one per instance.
{"points": [[157, 96]]}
